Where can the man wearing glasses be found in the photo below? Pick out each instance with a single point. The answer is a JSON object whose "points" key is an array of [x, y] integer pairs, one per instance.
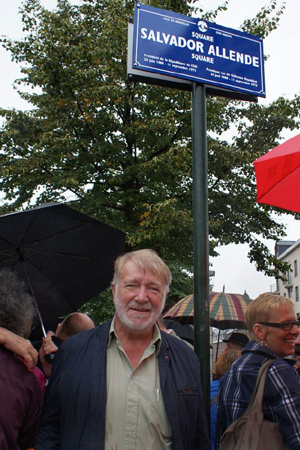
{"points": [[273, 330]]}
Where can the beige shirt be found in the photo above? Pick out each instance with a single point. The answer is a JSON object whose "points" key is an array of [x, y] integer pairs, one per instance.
{"points": [[135, 414]]}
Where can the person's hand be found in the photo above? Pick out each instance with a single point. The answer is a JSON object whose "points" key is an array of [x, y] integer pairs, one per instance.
{"points": [[20, 346], [47, 347]]}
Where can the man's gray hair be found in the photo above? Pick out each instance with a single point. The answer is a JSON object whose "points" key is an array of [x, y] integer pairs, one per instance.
{"points": [[146, 259], [17, 310]]}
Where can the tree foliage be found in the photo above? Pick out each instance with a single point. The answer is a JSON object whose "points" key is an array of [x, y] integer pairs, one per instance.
{"points": [[122, 150]]}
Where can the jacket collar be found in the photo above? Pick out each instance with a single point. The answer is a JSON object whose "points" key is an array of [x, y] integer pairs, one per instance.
{"points": [[257, 347]]}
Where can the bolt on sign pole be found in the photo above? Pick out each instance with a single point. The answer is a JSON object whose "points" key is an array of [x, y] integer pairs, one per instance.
{"points": [[201, 247]]}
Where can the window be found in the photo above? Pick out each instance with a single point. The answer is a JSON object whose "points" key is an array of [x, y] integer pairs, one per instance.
{"points": [[295, 268], [297, 294], [289, 279], [290, 292]]}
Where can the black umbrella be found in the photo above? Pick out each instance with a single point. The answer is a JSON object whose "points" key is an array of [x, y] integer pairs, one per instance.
{"points": [[184, 331], [66, 257]]}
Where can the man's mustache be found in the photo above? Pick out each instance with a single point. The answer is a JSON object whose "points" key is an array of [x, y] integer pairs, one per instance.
{"points": [[140, 307]]}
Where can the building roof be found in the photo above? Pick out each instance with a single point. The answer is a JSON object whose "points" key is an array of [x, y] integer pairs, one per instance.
{"points": [[287, 249]]}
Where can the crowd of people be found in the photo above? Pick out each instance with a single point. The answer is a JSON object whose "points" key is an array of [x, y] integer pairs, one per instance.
{"points": [[24, 371], [131, 383]]}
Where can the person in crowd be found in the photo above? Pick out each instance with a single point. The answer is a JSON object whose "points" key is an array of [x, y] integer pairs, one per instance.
{"points": [[221, 366], [124, 384], [162, 327], [21, 396], [297, 348], [236, 341], [273, 330], [73, 324], [297, 353], [19, 346]]}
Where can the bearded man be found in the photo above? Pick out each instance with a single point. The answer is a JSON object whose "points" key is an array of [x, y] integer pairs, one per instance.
{"points": [[126, 385]]}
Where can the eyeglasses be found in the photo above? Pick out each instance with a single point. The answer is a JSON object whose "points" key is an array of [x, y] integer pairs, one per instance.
{"points": [[286, 326]]}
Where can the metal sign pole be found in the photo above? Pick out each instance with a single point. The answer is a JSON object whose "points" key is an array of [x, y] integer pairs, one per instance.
{"points": [[178, 51], [201, 250]]}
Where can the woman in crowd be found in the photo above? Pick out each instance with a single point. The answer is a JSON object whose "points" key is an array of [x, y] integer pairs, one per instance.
{"points": [[21, 396], [273, 329], [222, 365]]}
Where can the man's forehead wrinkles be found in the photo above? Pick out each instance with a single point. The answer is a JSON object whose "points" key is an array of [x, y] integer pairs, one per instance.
{"points": [[138, 279]]}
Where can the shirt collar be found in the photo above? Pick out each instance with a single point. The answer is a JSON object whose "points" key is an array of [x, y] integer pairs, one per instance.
{"points": [[255, 346], [156, 339]]}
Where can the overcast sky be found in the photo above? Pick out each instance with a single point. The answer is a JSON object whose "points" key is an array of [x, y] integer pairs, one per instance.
{"points": [[232, 267]]}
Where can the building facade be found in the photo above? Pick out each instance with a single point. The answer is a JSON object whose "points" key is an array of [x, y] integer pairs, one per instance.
{"points": [[289, 251]]}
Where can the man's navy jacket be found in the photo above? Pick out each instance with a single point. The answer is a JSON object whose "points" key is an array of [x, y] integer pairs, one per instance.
{"points": [[74, 412]]}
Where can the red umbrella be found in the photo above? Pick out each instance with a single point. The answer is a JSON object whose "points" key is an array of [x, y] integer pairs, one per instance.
{"points": [[226, 310], [278, 175]]}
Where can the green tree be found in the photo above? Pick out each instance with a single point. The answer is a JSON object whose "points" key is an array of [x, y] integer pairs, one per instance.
{"points": [[121, 150]]}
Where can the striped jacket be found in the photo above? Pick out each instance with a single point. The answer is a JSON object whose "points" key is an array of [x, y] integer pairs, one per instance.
{"points": [[281, 401]]}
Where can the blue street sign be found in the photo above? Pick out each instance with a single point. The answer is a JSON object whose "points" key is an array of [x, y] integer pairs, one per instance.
{"points": [[172, 44]]}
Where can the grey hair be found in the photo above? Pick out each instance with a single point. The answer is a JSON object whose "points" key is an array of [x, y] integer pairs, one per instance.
{"points": [[146, 259], [17, 310]]}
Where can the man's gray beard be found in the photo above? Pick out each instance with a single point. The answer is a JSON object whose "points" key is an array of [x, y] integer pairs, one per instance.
{"points": [[135, 326]]}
